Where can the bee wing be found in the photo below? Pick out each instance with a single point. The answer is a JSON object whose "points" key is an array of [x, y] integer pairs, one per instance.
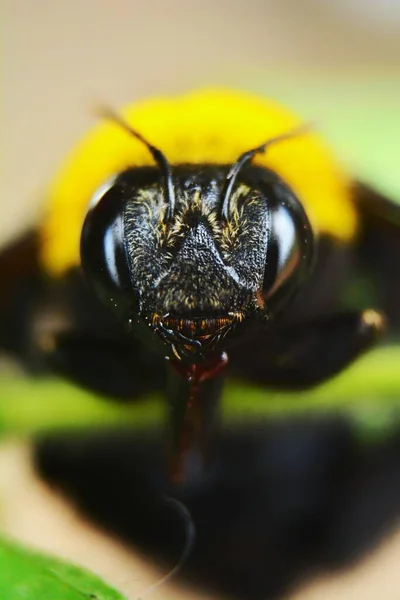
{"points": [[377, 208]]}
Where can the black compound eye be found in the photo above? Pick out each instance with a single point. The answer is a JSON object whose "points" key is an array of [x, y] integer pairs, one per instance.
{"points": [[103, 255], [290, 248]]}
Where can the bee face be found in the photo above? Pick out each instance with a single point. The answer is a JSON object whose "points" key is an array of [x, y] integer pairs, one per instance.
{"points": [[197, 275]]}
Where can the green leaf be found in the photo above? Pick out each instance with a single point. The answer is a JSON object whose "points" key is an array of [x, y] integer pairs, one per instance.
{"points": [[28, 575]]}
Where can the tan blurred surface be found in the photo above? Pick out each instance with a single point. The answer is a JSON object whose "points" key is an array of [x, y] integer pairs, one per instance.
{"points": [[375, 578]]}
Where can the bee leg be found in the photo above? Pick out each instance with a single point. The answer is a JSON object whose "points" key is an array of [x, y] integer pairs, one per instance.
{"points": [[379, 247], [119, 369], [307, 354]]}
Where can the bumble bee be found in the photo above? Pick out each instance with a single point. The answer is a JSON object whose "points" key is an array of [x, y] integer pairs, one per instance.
{"points": [[212, 230]]}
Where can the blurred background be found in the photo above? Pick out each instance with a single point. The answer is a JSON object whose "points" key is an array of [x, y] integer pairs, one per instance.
{"points": [[336, 63]]}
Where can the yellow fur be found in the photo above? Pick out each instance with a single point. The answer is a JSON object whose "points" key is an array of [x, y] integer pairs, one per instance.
{"points": [[213, 126]]}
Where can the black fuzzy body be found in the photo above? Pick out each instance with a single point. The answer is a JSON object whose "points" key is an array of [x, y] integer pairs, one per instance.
{"points": [[282, 501]]}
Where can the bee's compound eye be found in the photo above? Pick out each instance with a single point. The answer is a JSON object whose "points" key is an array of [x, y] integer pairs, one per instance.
{"points": [[103, 255], [290, 249]]}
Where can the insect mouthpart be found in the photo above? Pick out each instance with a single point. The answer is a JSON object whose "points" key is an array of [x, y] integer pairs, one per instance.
{"points": [[198, 327], [193, 338]]}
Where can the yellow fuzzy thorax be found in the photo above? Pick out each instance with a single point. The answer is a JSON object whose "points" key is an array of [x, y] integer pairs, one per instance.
{"points": [[201, 127]]}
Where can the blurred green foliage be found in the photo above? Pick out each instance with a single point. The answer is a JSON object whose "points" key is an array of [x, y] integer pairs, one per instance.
{"points": [[369, 391]]}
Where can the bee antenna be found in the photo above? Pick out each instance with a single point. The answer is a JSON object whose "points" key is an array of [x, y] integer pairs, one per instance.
{"points": [[158, 156], [248, 156]]}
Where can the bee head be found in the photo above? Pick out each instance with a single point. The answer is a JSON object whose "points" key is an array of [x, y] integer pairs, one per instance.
{"points": [[197, 251]]}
